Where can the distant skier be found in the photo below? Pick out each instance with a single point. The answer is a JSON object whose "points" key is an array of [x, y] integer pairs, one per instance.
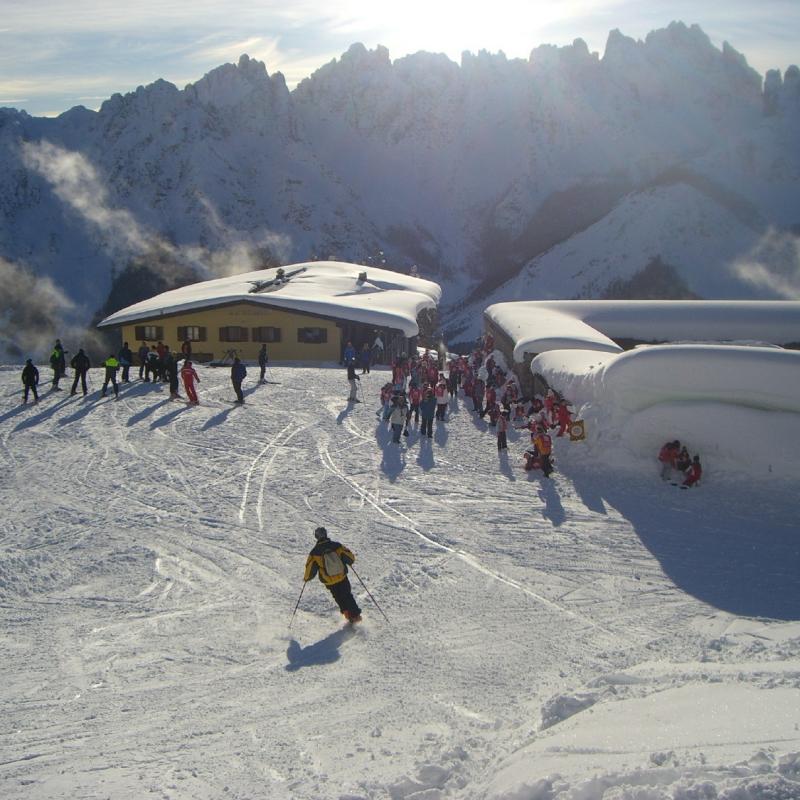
{"points": [[80, 364], [377, 349], [397, 419], [364, 357], [427, 410], [349, 353], [58, 364], [189, 377], [563, 417], [502, 428], [263, 360], [441, 399], [186, 350], [125, 357], [544, 447], [693, 473], [330, 560], [668, 456], [112, 365], [354, 380], [238, 374], [143, 352], [30, 379], [171, 373], [152, 369]]}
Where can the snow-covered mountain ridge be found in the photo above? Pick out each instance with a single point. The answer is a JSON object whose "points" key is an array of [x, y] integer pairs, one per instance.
{"points": [[490, 171]]}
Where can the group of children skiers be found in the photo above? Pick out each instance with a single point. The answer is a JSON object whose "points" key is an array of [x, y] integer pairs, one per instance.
{"points": [[419, 389]]}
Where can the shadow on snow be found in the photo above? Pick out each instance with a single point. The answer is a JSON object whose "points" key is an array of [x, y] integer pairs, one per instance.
{"points": [[325, 651], [717, 544]]}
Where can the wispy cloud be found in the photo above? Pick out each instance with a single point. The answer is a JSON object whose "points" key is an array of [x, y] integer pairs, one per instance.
{"points": [[773, 266], [79, 186]]}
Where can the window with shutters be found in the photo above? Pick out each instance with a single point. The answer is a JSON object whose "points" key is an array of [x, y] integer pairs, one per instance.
{"points": [[312, 335], [149, 333], [192, 333], [266, 334], [233, 333]]}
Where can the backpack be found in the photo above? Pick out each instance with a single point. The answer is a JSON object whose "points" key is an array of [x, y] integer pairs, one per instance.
{"points": [[334, 565]]}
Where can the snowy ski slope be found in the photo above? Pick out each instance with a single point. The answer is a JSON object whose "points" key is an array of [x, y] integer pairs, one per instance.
{"points": [[600, 634]]}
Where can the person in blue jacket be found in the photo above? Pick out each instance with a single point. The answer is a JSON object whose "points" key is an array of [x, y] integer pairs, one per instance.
{"points": [[427, 410]]}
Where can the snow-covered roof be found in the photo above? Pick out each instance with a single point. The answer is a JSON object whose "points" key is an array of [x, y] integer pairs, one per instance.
{"points": [[537, 326], [327, 288]]}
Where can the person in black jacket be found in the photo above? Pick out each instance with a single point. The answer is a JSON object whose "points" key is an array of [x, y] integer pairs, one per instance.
{"points": [[330, 560], [352, 378], [30, 378], [263, 361], [80, 363], [58, 362], [171, 372], [238, 374]]}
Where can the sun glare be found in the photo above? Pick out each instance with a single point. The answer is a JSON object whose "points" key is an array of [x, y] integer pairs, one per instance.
{"points": [[513, 26]]}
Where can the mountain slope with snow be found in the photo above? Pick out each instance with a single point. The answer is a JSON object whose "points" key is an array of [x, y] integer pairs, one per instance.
{"points": [[667, 146], [599, 634]]}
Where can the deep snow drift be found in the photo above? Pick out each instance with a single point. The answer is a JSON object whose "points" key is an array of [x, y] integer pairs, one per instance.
{"points": [[598, 635]]}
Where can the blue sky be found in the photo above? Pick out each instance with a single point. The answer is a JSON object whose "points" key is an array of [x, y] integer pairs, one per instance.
{"points": [[55, 54]]}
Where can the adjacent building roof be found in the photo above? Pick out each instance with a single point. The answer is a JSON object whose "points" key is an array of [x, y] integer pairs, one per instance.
{"points": [[327, 288], [537, 326]]}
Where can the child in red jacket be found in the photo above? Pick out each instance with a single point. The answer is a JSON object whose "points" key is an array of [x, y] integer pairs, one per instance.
{"points": [[693, 474]]}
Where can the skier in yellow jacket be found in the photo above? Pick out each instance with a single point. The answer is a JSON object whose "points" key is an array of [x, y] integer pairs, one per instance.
{"points": [[329, 560]]}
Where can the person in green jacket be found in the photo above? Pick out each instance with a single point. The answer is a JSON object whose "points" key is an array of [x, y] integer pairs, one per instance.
{"points": [[112, 365]]}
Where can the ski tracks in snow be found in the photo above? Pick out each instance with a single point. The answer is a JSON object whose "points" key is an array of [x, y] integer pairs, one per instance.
{"points": [[472, 561]]}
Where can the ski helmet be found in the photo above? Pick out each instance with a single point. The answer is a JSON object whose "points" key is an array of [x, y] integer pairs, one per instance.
{"points": [[320, 534]]}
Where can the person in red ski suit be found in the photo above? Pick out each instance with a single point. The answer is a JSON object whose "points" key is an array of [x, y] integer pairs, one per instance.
{"points": [[491, 399], [667, 456], [563, 417], [189, 376], [693, 474]]}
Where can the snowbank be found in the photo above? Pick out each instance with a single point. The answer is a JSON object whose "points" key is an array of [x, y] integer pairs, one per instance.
{"points": [[739, 407], [329, 288], [542, 325], [599, 754]]}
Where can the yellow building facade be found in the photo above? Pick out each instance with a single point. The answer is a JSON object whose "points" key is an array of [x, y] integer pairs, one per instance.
{"points": [[240, 329]]}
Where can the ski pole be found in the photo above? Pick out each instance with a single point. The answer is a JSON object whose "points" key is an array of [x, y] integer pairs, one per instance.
{"points": [[369, 593], [297, 604]]}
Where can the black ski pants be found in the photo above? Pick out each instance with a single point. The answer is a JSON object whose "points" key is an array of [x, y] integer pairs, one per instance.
{"points": [[112, 377], [28, 388], [343, 595], [237, 387], [79, 375], [427, 427]]}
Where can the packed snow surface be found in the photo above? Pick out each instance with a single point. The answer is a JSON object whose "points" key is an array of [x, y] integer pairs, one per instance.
{"points": [[599, 635], [331, 288], [536, 326]]}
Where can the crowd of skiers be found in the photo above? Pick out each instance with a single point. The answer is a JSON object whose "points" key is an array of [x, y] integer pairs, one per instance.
{"points": [[157, 364], [422, 385]]}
